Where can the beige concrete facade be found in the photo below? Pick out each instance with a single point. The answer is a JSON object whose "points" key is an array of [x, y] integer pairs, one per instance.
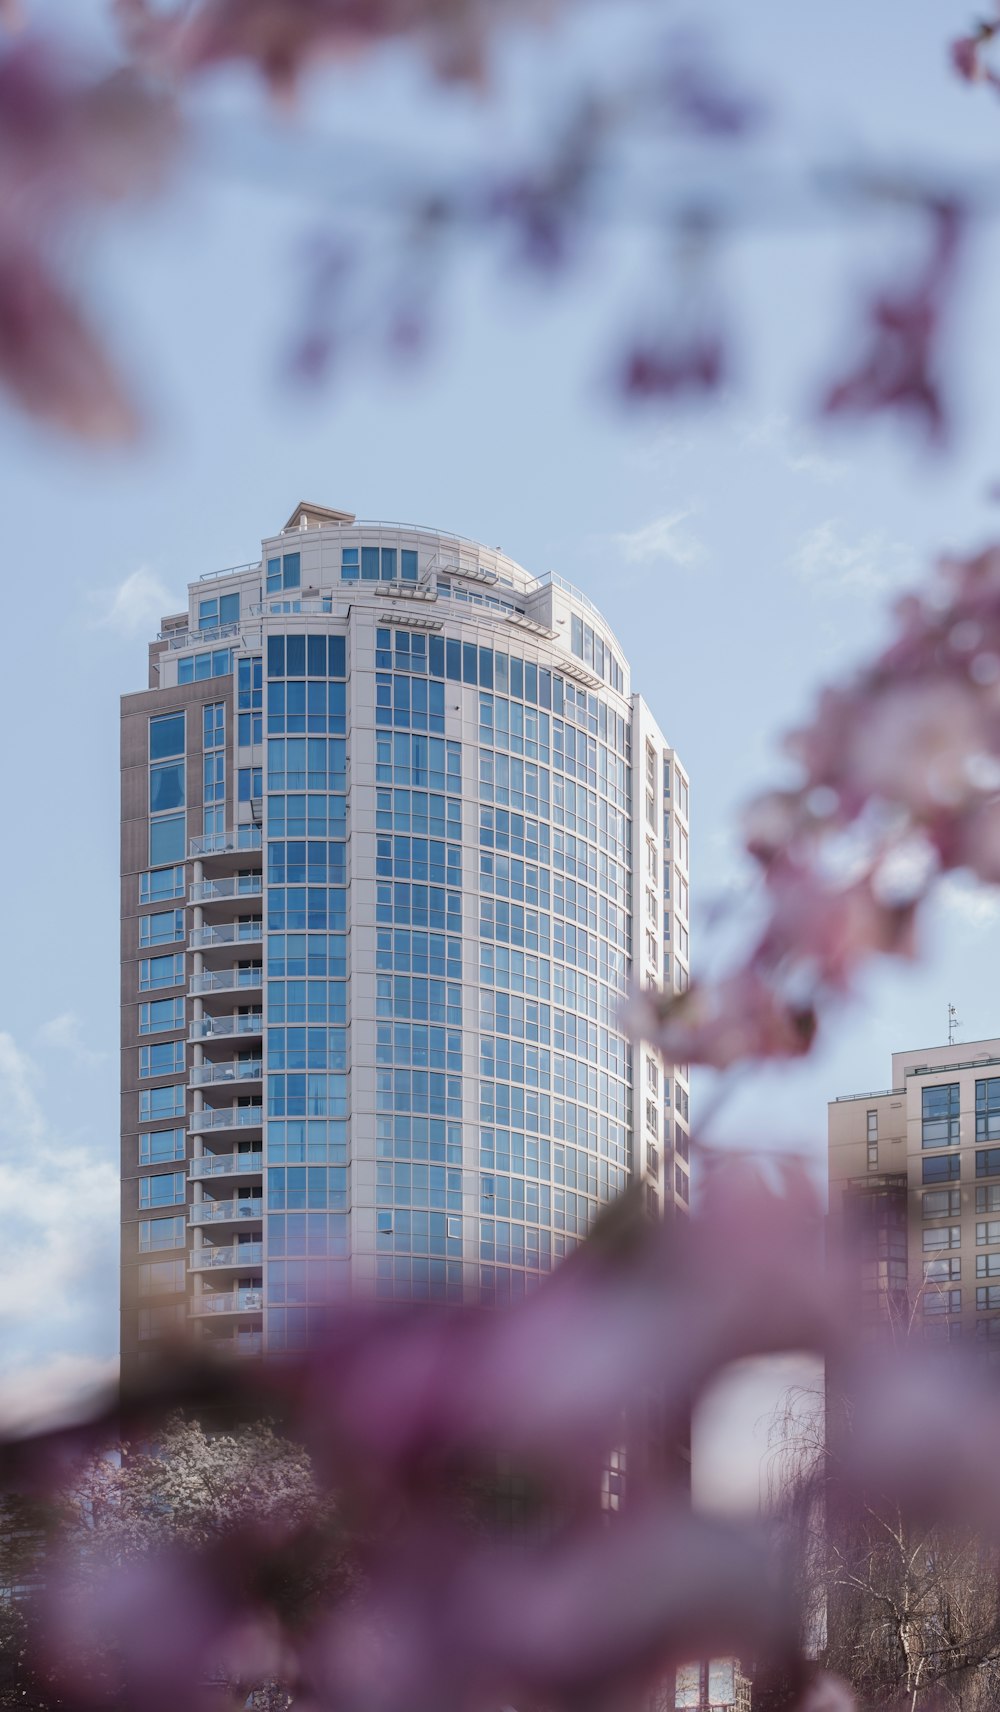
{"points": [[915, 1178]]}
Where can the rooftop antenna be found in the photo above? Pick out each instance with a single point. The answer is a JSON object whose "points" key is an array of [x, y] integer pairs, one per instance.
{"points": [[954, 1022]]}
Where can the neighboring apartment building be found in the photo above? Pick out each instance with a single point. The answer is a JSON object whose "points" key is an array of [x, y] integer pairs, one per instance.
{"points": [[396, 833], [712, 1685], [915, 1180]]}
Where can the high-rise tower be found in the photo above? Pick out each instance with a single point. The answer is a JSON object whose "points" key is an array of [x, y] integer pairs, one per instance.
{"points": [[396, 834]]}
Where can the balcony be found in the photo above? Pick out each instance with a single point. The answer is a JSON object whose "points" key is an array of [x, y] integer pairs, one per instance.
{"points": [[199, 638], [218, 1028], [226, 1117], [227, 1212], [225, 980], [238, 1256], [216, 891], [225, 1165], [221, 843], [231, 1070], [227, 1302], [229, 933], [237, 1343]]}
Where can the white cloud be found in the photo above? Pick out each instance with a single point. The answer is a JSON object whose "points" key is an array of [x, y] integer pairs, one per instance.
{"points": [[58, 1226], [54, 1392], [796, 449], [64, 1034], [974, 904], [135, 605], [825, 561], [665, 541]]}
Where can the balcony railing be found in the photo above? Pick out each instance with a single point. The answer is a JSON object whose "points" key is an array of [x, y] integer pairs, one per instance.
{"points": [[225, 980], [217, 1028], [233, 1070], [228, 1302], [226, 1212], [227, 933], [277, 605], [195, 638], [217, 843], [238, 1254], [240, 886], [226, 1117], [239, 1343], [225, 1165]]}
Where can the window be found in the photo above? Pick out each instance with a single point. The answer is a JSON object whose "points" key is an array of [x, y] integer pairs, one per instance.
{"points": [[988, 1296], [946, 1236], [988, 1109], [250, 784], [369, 564], [652, 950], [873, 1141], [162, 1146], [161, 1277], [164, 1190], [162, 1014], [682, 795], [160, 885], [947, 1167], [193, 668], [221, 609], [988, 1232], [166, 786], [942, 1203], [651, 860], [652, 1159], [988, 1162], [945, 1301], [988, 1265], [166, 1059], [161, 1102], [161, 1233], [652, 1117], [161, 972], [349, 567], [652, 1076], [162, 927], [988, 1200], [284, 573], [947, 1268], [940, 1115], [873, 1156], [213, 725], [166, 736], [166, 840], [650, 766], [159, 1322], [873, 1126], [408, 564], [650, 810]]}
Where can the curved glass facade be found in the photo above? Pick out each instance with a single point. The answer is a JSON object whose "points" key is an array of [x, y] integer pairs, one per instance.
{"points": [[430, 835]]}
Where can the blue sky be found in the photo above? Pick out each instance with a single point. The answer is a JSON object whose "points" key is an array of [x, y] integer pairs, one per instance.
{"points": [[740, 554]]}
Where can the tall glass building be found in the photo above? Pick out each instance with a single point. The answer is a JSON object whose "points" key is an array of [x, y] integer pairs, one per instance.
{"points": [[396, 836]]}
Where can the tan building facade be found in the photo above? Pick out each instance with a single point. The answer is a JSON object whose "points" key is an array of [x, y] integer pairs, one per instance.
{"points": [[915, 1182]]}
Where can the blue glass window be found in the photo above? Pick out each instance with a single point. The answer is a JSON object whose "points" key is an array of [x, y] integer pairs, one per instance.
{"points": [[224, 609], [166, 1058], [942, 1168], [162, 1191], [162, 1146], [409, 565], [349, 565], [160, 927], [165, 1102], [166, 786], [166, 840], [161, 972], [214, 725], [158, 887], [249, 682], [285, 572], [161, 1233], [160, 1015], [369, 564], [250, 784], [388, 564], [940, 1115], [166, 736]]}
